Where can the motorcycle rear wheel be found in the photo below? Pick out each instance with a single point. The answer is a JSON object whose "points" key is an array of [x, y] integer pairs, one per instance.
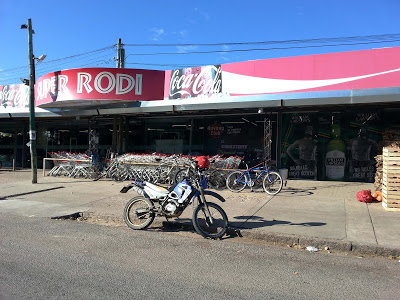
{"points": [[138, 213], [201, 221]]}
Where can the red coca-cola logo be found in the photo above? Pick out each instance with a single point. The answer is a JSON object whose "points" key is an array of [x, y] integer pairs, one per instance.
{"points": [[195, 82], [14, 95]]}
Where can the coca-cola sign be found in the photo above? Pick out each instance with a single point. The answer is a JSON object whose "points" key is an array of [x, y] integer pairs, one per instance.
{"points": [[195, 82], [14, 95]]}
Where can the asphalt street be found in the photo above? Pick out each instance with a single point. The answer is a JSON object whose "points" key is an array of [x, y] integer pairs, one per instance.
{"points": [[41, 258]]}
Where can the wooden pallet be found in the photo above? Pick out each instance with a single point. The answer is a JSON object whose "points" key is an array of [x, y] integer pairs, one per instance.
{"points": [[391, 165], [391, 195], [390, 205], [391, 179], [391, 151]]}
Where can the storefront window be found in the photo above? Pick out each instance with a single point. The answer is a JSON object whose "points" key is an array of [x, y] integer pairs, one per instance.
{"points": [[331, 146]]}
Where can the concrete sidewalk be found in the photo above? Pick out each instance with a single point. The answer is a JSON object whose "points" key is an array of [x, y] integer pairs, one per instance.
{"points": [[306, 213]]}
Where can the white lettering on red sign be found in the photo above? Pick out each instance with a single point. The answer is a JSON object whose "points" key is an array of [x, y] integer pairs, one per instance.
{"points": [[106, 82], [54, 84], [83, 81], [139, 84], [111, 82]]}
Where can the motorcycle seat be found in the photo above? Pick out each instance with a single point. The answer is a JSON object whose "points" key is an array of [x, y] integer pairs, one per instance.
{"points": [[155, 190]]}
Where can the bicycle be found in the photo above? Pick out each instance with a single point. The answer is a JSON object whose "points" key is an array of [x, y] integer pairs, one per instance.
{"points": [[215, 179], [271, 181]]}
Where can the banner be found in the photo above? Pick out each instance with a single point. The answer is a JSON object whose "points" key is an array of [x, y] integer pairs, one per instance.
{"points": [[99, 84], [365, 69], [14, 96]]}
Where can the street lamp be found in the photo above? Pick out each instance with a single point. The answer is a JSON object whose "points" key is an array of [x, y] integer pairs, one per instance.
{"points": [[31, 81]]}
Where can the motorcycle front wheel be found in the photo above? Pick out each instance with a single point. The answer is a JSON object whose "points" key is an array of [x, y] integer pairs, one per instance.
{"points": [[214, 228], [138, 213]]}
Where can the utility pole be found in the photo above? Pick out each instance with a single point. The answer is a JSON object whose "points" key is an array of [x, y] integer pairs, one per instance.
{"points": [[32, 79], [122, 58], [120, 55], [119, 46], [32, 125]]}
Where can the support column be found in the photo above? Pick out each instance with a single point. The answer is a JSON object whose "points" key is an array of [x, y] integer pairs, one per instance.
{"points": [[114, 134], [120, 134], [24, 142], [279, 140], [15, 148], [191, 136]]}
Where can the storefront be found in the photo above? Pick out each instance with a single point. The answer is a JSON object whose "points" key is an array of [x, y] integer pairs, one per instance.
{"points": [[323, 117]]}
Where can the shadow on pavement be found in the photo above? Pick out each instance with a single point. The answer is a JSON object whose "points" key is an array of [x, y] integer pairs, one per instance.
{"points": [[233, 227], [259, 222], [28, 193], [297, 192]]}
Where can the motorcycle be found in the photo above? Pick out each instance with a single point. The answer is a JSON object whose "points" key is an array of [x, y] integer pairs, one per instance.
{"points": [[209, 219]]}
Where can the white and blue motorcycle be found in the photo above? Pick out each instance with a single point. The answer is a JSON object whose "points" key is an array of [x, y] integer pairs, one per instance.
{"points": [[209, 219]]}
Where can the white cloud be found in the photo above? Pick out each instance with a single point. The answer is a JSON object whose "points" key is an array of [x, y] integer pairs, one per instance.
{"points": [[225, 57], [183, 33], [206, 16], [158, 33], [184, 49]]}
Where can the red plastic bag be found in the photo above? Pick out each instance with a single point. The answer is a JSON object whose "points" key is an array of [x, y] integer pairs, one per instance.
{"points": [[364, 196]]}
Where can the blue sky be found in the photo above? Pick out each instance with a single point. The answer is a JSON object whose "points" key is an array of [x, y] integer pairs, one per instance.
{"points": [[64, 29]]}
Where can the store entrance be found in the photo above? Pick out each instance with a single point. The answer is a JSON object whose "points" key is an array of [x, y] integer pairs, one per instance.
{"points": [[249, 136]]}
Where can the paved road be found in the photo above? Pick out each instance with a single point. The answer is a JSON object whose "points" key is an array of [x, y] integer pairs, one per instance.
{"points": [[53, 259]]}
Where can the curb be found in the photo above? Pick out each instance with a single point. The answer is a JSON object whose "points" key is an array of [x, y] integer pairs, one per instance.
{"points": [[280, 239]]}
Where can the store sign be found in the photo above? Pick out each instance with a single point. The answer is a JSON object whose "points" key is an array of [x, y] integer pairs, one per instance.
{"points": [[215, 130], [195, 82], [322, 72], [14, 95], [100, 84]]}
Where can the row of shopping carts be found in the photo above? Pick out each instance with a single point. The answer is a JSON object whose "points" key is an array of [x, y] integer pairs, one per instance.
{"points": [[70, 164], [155, 167]]}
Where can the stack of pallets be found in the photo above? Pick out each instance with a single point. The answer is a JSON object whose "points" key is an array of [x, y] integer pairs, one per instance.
{"points": [[391, 179]]}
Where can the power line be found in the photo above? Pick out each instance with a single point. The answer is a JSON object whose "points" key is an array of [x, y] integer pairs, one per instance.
{"points": [[89, 58], [303, 41], [64, 58], [262, 49], [101, 57], [167, 65]]}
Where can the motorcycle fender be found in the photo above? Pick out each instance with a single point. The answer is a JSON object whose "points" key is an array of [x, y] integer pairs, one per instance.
{"points": [[216, 195], [125, 188]]}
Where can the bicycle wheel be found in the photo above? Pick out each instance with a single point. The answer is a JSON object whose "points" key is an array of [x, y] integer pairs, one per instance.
{"points": [[138, 213], [272, 183], [119, 175], [146, 175], [210, 228], [95, 175], [183, 174], [217, 180], [236, 181]]}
